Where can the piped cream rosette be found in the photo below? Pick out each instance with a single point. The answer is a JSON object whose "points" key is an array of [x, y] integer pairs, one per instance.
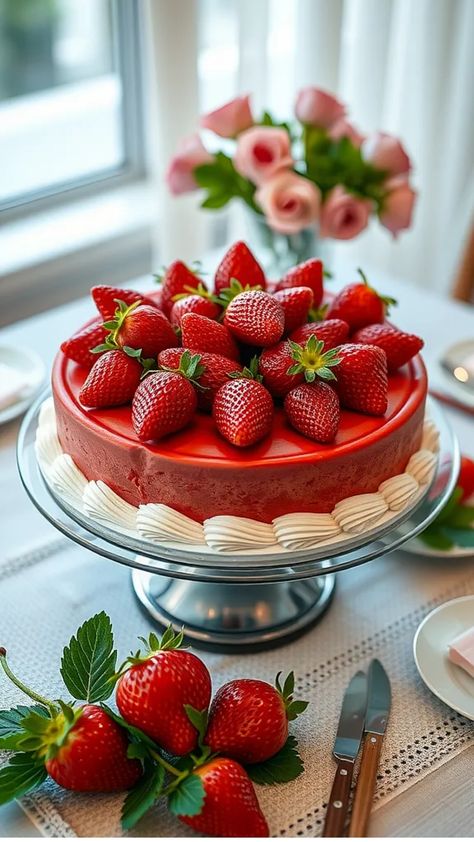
{"points": [[160, 524]]}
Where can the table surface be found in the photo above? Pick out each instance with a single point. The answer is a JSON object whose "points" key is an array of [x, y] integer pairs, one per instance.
{"points": [[423, 809]]}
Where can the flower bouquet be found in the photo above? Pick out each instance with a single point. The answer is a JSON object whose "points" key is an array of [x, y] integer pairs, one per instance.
{"points": [[315, 176]]}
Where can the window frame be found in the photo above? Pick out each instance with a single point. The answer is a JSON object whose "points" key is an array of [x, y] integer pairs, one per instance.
{"points": [[129, 49]]}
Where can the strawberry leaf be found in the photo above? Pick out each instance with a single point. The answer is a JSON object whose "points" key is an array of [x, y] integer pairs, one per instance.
{"points": [[460, 537], [436, 538], [143, 795], [187, 798], [134, 733], [462, 517], [88, 663], [11, 724], [284, 766], [23, 773], [198, 718]]}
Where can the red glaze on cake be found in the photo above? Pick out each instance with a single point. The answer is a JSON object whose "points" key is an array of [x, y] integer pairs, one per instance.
{"points": [[199, 474]]}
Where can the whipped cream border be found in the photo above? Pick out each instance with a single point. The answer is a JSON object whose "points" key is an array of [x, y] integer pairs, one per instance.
{"points": [[155, 522]]}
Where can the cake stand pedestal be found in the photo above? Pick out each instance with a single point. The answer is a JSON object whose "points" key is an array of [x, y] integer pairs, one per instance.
{"points": [[228, 601]]}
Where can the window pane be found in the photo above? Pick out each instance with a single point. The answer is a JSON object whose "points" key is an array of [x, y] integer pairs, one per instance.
{"points": [[60, 94]]}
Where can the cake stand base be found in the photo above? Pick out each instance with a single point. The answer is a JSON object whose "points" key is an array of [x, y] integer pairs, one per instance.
{"points": [[232, 617]]}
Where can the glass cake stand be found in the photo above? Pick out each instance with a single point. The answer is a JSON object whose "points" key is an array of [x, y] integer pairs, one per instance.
{"points": [[231, 601]]}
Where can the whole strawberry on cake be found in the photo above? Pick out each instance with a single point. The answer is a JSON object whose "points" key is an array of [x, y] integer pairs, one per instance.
{"points": [[249, 414]]}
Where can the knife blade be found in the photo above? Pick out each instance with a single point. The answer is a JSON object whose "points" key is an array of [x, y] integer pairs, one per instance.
{"points": [[379, 700], [346, 748]]}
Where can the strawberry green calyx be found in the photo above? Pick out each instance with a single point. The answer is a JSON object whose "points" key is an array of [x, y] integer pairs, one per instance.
{"points": [[318, 314], [386, 299], [190, 366], [293, 706], [200, 290], [228, 294], [249, 372], [312, 360], [170, 640]]}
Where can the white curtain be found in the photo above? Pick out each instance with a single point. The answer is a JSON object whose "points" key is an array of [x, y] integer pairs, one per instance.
{"points": [[404, 66]]}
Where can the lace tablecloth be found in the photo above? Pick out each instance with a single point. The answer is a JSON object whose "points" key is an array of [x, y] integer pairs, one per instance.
{"points": [[376, 611]]}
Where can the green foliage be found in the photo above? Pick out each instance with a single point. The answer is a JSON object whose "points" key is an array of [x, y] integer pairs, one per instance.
{"points": [[187, 798], [222, 182], [143, 795], [12, 727], [88, 662], [453, 527], [23, 773], [284, 766]]}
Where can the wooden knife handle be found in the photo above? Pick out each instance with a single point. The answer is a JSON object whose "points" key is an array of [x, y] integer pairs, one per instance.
{"points": [[364, 793], [339, 799]]}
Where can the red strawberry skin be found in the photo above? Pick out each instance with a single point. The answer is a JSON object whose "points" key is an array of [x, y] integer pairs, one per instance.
{"points": [[146, 328], [332, 332], [307, 274], [255, 318], [216, 373], [358, 305], [112, 380], [247, 721], [177, 277], [273, 366], [105, 298], [243, 412], [296, 303], [313, 410], [466, 478], [78, 347], [199, 334], [94, 756], [151, 695], [239, 263], [361, 378], [164, 403], [399, 347], [230, 807], [193, 304]]}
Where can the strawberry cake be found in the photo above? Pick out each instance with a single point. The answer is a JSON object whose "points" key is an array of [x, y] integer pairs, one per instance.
{"points": [[254, 417]]}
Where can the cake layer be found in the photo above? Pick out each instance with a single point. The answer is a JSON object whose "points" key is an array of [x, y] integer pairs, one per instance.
{"points": [[199, 474]]}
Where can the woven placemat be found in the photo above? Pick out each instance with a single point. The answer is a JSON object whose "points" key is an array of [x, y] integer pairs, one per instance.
{"points": [[48, 591]]}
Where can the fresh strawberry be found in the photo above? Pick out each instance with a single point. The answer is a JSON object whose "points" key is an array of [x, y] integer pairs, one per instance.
{"points": [[142, 327], [255, 318], [466, 478], [78, 347], [287, 364], [296, 303], [362, 382], [176, 280], [112, 380], [398, 346], [333, 332], [360, 305], [166, 401], [307, 274], [230, 806], [216, 371], [313, 409], [248, 719], [239, 263], [106, 298], [243, 411], [92, 754], [152, 692], [199, 334], [193, 304]]}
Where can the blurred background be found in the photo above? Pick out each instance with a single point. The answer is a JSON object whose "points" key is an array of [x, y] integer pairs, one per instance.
{"points": [[95, 94]]}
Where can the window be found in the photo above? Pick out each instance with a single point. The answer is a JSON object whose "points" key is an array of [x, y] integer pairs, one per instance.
{"points": [[69, 101]]}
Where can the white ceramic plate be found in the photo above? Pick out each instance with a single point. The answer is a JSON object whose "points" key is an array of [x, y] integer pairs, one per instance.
{"points": [[27, 362], [430, 647], [417, 547]]}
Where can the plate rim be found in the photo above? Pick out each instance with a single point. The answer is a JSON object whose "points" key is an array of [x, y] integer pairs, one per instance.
{"points": [[9, 413], [439, 609]]}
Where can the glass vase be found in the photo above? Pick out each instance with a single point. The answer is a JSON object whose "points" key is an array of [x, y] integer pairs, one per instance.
{"points": [[277, 252]]}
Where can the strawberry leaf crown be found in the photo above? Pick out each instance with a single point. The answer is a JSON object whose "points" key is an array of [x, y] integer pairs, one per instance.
{"points": [[312, 361], [249, 372], [318, 314], [200, 290], [190, 366], [293, 706], [386, 299], [235, 288], [169, 641]]}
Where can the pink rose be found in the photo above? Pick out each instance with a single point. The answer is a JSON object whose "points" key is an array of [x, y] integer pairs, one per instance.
{"points": [[342, 128], [386, 153], [343, 216], [317, 108], [180, 173], [397, 207], [261, 151], [230, 119], [289, 202]]}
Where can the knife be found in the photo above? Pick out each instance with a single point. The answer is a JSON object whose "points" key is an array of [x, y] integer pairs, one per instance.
{"points": [[346, 748], [378, 708]]}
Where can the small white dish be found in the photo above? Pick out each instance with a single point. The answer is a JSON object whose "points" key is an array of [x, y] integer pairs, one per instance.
{"points": [[418, 547], [27, 363], [447, 681]]}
